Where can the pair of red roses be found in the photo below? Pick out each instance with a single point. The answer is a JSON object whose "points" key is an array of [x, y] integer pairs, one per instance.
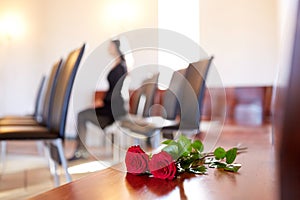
{"points": [[161, 165]]}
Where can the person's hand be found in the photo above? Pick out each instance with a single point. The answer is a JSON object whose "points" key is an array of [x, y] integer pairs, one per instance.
{"points": [[99, 103]]}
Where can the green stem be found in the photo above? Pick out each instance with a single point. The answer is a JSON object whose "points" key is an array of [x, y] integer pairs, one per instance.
{"points": [[239, 151]]}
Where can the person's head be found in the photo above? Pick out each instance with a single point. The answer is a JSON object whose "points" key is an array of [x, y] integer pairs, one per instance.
{"points": [[114, 49]]}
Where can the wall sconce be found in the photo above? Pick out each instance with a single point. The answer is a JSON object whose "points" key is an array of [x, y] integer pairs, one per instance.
{"points": [[121, 14], [11, 27]]}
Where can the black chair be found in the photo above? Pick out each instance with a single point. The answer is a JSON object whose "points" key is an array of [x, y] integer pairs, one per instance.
{"points": [[53, 134], [191, 99], [144, 128], [41, 114], [144, 94], [173, 94], [141, 106], [185, 96], [42, 111]]}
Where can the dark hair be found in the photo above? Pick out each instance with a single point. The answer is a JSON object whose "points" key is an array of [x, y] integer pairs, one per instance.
{"points": [[118, 44]]}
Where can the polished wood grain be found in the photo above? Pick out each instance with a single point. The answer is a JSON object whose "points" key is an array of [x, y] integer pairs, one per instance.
{"points": [[256, 179]]}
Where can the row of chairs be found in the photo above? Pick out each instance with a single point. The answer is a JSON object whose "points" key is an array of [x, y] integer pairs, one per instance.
{"points": [[184, 97], [52, 103]]}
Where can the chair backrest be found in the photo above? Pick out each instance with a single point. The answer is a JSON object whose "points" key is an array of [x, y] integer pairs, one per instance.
{"points": [[143, 97], [149, 90], [173, 94], [60, 102], [193, 92], [49, 92], [39, 98]]}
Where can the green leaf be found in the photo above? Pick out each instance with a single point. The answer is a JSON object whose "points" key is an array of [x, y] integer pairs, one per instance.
{"points": [[188, 161], [198, 170], [184, 145], [226, 167], [184, 141], [218, 165], [172, 150], [197, 145], [233, 167], [195, 156], [219, 153], [231, 155], [167, 142]]}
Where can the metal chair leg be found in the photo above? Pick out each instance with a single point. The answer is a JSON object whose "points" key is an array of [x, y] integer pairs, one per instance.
{"points": [[62, 157], [3, 155], [3, 149], [112, 140], [39, 146], [108, 139], [53, 169], [116, 148], [156, 139], [52, 166]]}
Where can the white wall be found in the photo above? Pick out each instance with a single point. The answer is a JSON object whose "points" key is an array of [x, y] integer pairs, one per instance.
{"points": [[52, 29], [69, 23], [182, 17], [243, 36], [20, 56]]}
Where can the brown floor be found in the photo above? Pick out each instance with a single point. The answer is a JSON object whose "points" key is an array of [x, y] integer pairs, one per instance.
{"points": [[26, 170]]}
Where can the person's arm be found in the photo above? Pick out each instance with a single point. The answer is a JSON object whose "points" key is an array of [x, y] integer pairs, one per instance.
{"points": [[117, 76]]}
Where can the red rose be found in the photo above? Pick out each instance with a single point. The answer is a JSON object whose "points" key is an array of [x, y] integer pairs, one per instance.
{"points": [[162, 166], [136, 160]]}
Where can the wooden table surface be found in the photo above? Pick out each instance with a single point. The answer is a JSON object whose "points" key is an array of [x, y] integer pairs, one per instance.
{"points": [[256, 179]]}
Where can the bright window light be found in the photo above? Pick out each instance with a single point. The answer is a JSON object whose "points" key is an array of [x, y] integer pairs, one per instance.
{"points": [[121, 14], [88, 167], [181, 17], [11, 26]]}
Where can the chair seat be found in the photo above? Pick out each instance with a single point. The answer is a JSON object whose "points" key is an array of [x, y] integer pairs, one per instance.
{"points": [[26, 133], [19, 122], [145, 125], [145, 130], [182, 126], [16, 117]]}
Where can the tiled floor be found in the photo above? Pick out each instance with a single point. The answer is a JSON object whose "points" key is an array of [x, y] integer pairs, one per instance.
{"points": [[26, 171]]}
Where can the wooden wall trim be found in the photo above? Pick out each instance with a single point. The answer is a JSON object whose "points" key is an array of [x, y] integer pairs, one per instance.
{"points": [[238, 100]]}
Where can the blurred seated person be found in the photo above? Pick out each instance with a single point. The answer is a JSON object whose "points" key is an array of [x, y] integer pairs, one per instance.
{"points": [[102, 114]]}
